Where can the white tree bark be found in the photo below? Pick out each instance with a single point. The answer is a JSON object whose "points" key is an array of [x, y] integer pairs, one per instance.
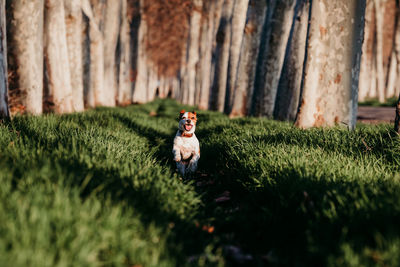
{"points": [[124, 84], [218, 91], [367, 59], [152, 82], [56, 57], [140, 91], [244, 83], [73, 22], [110, 37], [207, 44], [4, 111], [26, 46], [330, 85], [96, 95], [189, 78], [373, 91], [380, 74], [287, 101], [237, 31]]}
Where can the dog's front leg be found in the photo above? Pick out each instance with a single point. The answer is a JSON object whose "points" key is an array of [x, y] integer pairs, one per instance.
{"points": [[176, 151], [192, 167], [181, 168]]}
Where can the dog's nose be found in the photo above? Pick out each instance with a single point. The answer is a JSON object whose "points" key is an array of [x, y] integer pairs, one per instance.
{"points": [[188, 121]]}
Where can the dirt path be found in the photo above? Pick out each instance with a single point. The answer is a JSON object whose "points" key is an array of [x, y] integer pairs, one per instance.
{"points": [[376, 114]]}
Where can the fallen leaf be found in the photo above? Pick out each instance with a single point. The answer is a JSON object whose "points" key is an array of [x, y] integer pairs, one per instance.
{"points": [[207, 228], [225, 196], [222, 199]]}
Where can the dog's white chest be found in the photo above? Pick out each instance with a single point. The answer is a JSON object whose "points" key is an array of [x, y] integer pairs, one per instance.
{"points": [[187, 146]]}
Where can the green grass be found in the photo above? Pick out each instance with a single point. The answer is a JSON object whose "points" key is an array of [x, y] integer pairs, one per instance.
{"points": [[374, 102], [99, 189]]}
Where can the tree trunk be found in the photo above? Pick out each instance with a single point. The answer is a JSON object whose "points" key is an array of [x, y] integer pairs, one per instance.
{"points": [[218, 90], [134, 19], [389, 22], [124, 84], [152, 82], [287, 101], [368, 51], [380, 74], [26, 52], [110, 37], [4, 111], [73, 22], [329, 94], [88, 94], [238, 23], [56, 57], [244, 83], [392, 76], [140, 91], [397, 119], [397, 50], [189, 78], [206, 46], [96, 95], [281, 24]]}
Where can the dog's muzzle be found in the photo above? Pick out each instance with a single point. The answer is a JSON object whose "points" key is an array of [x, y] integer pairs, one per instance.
{"points": [[188, 127]]}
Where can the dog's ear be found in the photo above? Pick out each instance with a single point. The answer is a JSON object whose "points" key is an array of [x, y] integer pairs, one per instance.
{"points": [[194, 112], [181, 113]]}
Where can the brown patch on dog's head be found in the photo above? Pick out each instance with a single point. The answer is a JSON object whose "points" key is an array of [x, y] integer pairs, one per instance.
{"points": [[192, 116]]}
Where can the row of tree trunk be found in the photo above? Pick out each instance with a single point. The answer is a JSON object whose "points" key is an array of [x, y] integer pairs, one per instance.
{"points": [[296, 60], [380, 69]]}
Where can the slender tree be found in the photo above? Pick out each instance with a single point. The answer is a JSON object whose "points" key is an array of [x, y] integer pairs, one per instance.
{"points": [[223, 38], [212, 11], [281, 25], [189, 76], [140, 90], [56, 57], [110, 36], [244, 83], [4, 111], [237, 30], [380, 73], [367, 76], [95, 95], [287, 100], [73, 22], [124, 95]]}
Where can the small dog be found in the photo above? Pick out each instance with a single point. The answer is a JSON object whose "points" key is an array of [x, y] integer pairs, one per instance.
{"points": [[186, 148]]}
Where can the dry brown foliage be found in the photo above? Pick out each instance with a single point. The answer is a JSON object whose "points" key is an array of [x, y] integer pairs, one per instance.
{"points": [[167, 23]]}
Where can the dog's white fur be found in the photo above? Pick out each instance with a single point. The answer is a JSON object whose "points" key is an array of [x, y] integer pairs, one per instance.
{"points": [[186, 147]]}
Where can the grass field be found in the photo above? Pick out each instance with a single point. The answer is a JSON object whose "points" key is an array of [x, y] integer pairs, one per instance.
{"points": [[99, 189], [374, 102]]}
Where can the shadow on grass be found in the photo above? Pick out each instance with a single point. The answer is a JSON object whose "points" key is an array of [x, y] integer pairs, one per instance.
{"points": [[285, 216]]}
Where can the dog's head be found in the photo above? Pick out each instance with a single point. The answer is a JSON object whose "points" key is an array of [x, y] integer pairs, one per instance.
{"points": [[187, 121]]}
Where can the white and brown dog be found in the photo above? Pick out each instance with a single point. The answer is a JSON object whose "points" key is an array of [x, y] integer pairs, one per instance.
{"points": [[186, 148]]}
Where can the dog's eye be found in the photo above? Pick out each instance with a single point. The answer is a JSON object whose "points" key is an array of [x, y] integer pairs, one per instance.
{"points": [[184, 118], [192, 118]]}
